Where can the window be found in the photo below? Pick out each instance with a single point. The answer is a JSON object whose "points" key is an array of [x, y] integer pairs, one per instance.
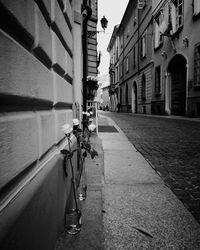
{"points": [[117, 76], [126, 93], [196, 7], [121, 69], [157, 80], [127, 64], [128, 32], [141, 4], [197, 65], [117, 53], [143, 87], [120, 96], [158, 38], [176, 14], [89, 2], [179, 13], [144, 45], [134, 56]]}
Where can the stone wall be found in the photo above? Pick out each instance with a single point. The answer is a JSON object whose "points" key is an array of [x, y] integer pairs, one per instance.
{"points": [[36, 97]]}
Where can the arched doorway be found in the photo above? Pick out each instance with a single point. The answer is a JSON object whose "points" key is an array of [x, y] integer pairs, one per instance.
{"points": [[134, 98], [177, 75]]}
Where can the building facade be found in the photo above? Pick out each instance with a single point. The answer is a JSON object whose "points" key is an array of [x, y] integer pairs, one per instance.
{"points": [[176, 58], [113, 49], [133, 67], [159, 57], [41, 57]]}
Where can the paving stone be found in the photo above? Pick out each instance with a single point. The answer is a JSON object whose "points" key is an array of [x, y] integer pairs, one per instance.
{"points": [[170, 145]]}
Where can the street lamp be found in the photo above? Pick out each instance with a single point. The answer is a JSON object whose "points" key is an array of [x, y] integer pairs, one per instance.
{"points": [[104, 24]]}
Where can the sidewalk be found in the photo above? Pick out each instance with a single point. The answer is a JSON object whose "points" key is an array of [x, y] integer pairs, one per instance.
{"points": [[128, 205]]}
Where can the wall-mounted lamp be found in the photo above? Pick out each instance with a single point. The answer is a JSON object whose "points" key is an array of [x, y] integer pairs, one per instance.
{"points": [[186, 41], [164, 54], [104, 24]]}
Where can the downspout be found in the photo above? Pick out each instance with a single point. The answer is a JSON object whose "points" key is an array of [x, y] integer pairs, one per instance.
{"points": [[85, 50]]}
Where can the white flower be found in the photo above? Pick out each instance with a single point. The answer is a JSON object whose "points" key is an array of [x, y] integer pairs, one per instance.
{"points": [[91, 112], [87, 113], [84, 113], [76, 122], [67, 129], [91, 127]]}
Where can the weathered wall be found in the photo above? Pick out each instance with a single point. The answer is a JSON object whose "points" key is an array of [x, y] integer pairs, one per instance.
{"points": [[36, 97]]}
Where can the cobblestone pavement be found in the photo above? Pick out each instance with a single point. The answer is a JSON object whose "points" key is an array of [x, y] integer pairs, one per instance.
{"points": [[172, 147]]}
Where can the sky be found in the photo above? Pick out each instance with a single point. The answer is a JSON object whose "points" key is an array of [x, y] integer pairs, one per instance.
{"points": [[113, 10]]}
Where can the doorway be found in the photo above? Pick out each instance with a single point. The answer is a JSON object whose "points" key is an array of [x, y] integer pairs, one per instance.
{"points": [[177, 70], [134, 98]]}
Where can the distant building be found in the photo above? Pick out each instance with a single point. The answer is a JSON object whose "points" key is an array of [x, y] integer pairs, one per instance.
{"points": [[176, 55], [159, 58], [105, 97], [113, 49], [131, 60], [103, 91]]}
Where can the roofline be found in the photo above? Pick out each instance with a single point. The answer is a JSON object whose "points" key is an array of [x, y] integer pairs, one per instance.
{"points": [[125, 14], [114, 33]]}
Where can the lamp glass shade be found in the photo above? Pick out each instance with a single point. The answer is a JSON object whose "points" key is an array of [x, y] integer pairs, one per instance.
{"points": [[104, 22]]}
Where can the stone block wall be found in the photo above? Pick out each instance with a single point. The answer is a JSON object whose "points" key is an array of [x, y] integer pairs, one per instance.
{"points": [[36, 99]]}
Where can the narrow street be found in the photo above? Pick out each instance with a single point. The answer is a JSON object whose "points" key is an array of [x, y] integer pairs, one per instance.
{"points": [[172, 148]]}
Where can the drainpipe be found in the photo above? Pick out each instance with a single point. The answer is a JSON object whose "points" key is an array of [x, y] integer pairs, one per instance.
{"points": [[85, 50]]}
